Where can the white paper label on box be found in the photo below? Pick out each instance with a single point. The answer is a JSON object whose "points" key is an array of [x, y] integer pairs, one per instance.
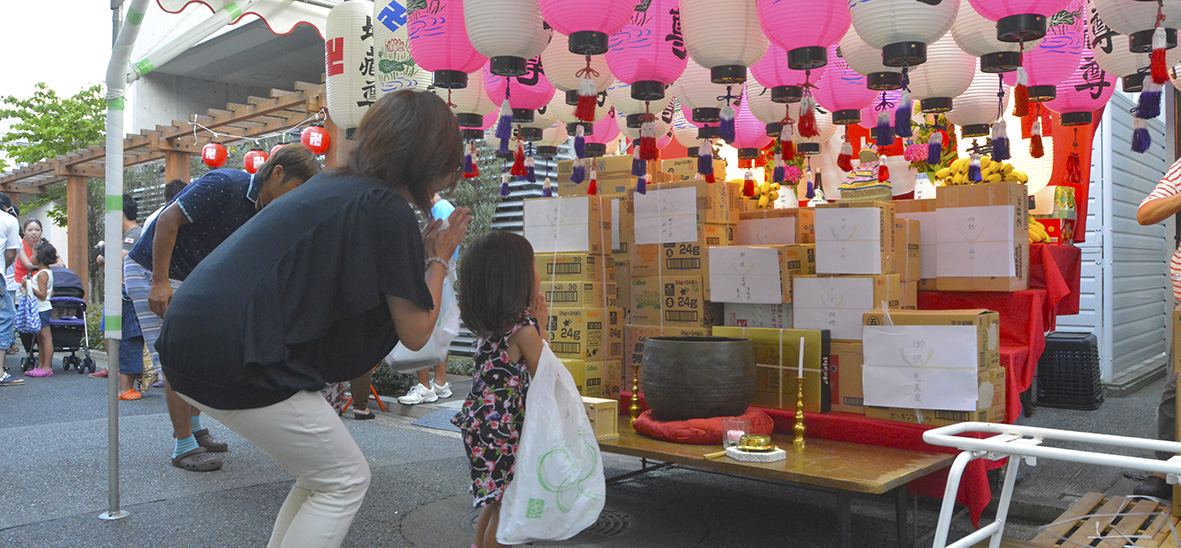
{"points": [[744, 275], [772, 231], [849, 240], [921, 367], [928, 242], [666, 216], [773, 316], [835, 304], [558, 225], [975, 242], [614, 224]]}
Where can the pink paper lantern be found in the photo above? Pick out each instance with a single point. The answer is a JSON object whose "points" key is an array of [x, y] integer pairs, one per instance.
{"points": [[785, 83], [842, 91], [1051, 62], [439, 43], [1086, 90], [526, 93], [804, 30], [649, 53], [588, 23], [1019, 20], [603, 132], [750, 134]]}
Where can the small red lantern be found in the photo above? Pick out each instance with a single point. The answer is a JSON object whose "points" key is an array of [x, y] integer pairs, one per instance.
{"points": [[214, 155], [315, 138], [276, 148], [254, 160]]}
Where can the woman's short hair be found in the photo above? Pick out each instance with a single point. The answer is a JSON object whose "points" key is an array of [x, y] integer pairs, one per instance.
{"points": [[298, 161], [46, 254], [495, 282], [29, 222], [408, 139]]}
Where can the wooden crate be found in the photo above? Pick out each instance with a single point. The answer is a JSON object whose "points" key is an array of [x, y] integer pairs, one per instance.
{"points": [[1117, 519], [604, 417]]}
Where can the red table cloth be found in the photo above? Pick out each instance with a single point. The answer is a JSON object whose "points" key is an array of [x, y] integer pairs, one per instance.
{"points": [[1058, 270]]}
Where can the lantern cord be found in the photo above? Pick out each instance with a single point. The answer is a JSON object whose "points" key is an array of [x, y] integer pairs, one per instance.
{"points": [[587, 71], [884, 104], [449, 103], [807, 85], [1000, 97], [729, 96], [313, 118], [906, 79]]}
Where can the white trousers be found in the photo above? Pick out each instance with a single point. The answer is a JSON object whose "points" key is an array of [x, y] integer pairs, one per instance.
{"points": [[307, 438]]}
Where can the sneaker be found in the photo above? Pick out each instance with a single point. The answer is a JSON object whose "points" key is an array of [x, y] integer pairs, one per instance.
{"points": [[1155, 486], [130, 394], [442, 391], [9, 380], [418, 394]]}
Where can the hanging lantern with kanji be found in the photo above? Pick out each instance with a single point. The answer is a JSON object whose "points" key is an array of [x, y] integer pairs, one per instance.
{"points": [[349, 62], [439, 43], [254, 160], [316, 138], [214, 155], [649, 53]]}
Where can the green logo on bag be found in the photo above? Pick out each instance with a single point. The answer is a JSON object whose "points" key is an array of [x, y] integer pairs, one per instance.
{"points": [[535, 508]]}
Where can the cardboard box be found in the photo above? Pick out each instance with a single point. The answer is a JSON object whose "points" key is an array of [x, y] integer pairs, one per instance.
{"points": [[986, 322], [777, 358], [604, 417], [574, 267], [990, 405], [590, 333], [1061, 231], [613, 378], [922, 211], [907, 250], [776, 226], [634, 337], [758, 274], [613, 176], [983, 237], [685, 169], [623, 226], [838, 303], [683, 258], [777, 316], [623, 282], [854, 237], [719, 203], [679, 300], [910, 295], [588, 376], [567, 225], [845, 364], [579, 294]]}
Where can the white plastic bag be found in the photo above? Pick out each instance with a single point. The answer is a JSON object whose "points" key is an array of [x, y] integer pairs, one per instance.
{"points": [[558, 487], [434, 352]]}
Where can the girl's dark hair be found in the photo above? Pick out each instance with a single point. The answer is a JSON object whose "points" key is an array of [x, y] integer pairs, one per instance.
{"points": [[46, 254], [408, 139], [31, 221], [297, 160], [495, 282]]}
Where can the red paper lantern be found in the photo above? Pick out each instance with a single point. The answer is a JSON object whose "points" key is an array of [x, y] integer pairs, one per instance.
{"points": [[254, 160], [315, 138], [276, 148], [214, 155]]}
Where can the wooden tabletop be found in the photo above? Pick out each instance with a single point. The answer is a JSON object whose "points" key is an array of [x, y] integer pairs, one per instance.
{"points": [[837, 465]]}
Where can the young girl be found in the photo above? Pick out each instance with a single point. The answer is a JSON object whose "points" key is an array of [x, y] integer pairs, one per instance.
{"points": [[40, 285], [499, 301]]}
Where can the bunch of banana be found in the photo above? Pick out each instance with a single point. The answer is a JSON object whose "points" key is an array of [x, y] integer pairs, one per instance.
{"points": [[766, 194], [990, 172], [1037, 232]]}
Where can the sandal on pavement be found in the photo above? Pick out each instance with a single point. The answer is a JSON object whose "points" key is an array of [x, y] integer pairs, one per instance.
{"points": [[130, 394], [364, 417], [100, 374], [14, 349], [36, 372], [9, 380], [205, 439], [197, 460], [1154, 486]]}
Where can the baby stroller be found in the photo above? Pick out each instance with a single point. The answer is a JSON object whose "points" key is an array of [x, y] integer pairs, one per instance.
{"points": [[67, 323]]}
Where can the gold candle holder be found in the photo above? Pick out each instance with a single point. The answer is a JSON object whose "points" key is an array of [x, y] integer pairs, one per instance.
{"points": [[798, 442], [633, 410]]}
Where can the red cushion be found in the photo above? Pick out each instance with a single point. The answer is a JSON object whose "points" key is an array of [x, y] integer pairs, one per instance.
{"points": [[699, 431]]}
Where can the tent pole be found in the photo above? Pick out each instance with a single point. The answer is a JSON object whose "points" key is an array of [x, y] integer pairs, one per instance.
{"points": [[190, 38]]}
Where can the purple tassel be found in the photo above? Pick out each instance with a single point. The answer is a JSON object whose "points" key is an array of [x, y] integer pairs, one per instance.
{"points": [[547, 190], [530, 174], [639, 167], [902, 116], [580, 142], [503, 149], [778, 176], [974, 170], [726, 124], [504, 190], [935, 148], [1149, 105], [1141, 139], [1000, 142], [468, 168], [705, 161], [504, 125], [811, 190], [885, 132], [578, 174], [642, 185]]}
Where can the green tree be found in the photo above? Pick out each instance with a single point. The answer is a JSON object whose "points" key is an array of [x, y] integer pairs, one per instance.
{"points": [[47, 125]]}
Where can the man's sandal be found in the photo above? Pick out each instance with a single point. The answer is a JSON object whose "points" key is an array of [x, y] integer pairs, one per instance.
{"points": [[205, 439], [197, 460]]}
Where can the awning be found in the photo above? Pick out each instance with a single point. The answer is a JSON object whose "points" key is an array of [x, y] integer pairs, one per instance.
{"points": [[281, 16]]}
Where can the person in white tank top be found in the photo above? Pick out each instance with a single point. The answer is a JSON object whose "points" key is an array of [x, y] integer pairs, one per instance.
{"points": [[39, 284]]}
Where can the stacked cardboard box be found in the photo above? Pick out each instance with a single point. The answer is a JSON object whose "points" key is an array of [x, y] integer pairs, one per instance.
{"points": [[777, 359], [613, 175], [922, 211], [983, 237]]}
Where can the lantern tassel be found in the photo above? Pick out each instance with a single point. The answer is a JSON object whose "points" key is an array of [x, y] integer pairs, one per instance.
{"points": [[787, 148], [903, 114], [1141, 139], [778, 174], [518, 169], [648, 140], [974, 169], [580, 142], [547, 190], [578, 173], [642, 185], [639, 166], [1036, 149], [504, 125], [705, 161], [935, 148], [592, 189], [810, 191], [726, 124], [748, 184], [504, 190], [1074, 174], [587, 100], [807, 123], [530, 173], [845, 158], [1148, 106], [884, 135], [469, 165], [1000, 142], [1021, 94], [883, 170], [1160, 72]]}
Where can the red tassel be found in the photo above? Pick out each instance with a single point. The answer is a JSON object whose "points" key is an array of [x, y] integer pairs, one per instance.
{"points": [[518, 169], [585, 110], [883, 171], [1160, 70], [1036, 149], [593, 188], [807, 124], [845, 158], [748, 185], [1020, 101], [788, 152], [709, 178], [1074, 174]]}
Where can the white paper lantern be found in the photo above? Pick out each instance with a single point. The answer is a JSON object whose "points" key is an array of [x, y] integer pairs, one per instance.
{"points": [[902, 28], [393, 67], [684, 132], [1113, 52], [565, 111], [947, 73], [621, 98], [544, 117], [552, 137], [976, 36], [867, 62], [507, 32], [562, 67], [695, 91], [1137, 20], [824, 127], [349, 62], [724, 36], [471, 102], [758, 100], [977, 107]]}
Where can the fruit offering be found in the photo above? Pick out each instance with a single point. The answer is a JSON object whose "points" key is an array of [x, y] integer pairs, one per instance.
{"points": [[990, 172]]}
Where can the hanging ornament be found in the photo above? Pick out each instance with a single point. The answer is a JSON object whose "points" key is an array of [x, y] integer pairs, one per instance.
{"points": [[647, 144], [530, 173], [1141, 139], [777, 174], [974, 173], [726, 124], [807, 123], [748, 184], [254, 160], [1036, 149], [1000, 142], [845, 158], [316, 138], [469, 162], [705, 161], [547, 190], [787, 148], [1021, 94], [518, 169], [214, 155], [639, 166], [902, 115], [935, 147], [504, 189], [504, 125]]}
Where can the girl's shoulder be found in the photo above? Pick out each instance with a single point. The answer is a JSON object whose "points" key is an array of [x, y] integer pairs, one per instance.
{"points": [[524, 320]]}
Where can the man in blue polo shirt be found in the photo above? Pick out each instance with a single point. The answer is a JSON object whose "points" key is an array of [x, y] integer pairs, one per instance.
{"points": [[203, 215]]}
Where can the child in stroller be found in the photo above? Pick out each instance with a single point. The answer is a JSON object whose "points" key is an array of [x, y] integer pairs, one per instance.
{"points": [[67, 323]]}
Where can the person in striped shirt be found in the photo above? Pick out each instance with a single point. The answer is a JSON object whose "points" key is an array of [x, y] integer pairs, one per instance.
{"points": [[1162, 203]]}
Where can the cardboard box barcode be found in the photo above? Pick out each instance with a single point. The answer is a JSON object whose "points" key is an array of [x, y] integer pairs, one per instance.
{"points": [[579, 294], [590, 333]]}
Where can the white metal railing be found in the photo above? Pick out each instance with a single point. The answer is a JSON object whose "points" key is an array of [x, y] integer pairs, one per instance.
{"points": [[1024, 443]]}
